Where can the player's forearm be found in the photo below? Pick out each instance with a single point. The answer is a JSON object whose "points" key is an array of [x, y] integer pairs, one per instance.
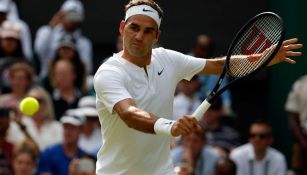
{"points": [[213, 66], [134, 117], [140, 120]]}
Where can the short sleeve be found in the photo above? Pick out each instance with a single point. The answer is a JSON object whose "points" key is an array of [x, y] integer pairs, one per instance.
{"points": [[292, 103], [110, 87], [185, 66]]}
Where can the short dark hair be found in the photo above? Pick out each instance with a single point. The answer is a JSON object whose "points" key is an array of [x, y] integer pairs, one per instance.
{"points": [[226, 162], [150, 3], [264, 123]]}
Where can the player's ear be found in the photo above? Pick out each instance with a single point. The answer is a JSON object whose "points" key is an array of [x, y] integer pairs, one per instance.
{"points": [[157, 37], [121, 27]]}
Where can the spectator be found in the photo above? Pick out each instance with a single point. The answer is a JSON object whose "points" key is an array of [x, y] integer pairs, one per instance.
{"points": [[67, 51], [42, 125], [8, 11], [184, 169], [186, 101], [257, 157], [296, 107], [91, 138], [66, 21], [10, 40], [194, 150], [225, 166], [83, 166], [56, 159], [219, 135], [25, 157], [66, 92], [204, 47], [12, 12], [6, 148], [10, 50], [21, 77]]}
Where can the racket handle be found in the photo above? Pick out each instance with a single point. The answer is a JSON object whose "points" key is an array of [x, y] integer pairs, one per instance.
{"points": [[200, 111]]}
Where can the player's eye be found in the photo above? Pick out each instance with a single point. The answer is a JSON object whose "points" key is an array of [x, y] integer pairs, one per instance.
{"points": [[134, 28], [149, 31]]}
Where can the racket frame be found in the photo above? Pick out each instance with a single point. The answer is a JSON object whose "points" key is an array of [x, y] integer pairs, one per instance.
{"points": [[216, 92]]}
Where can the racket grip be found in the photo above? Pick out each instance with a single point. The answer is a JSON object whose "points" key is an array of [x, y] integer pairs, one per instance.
{"points": [[200, 111]]}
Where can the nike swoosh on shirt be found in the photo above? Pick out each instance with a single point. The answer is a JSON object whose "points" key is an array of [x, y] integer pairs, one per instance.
{"points": [[159, 73]]}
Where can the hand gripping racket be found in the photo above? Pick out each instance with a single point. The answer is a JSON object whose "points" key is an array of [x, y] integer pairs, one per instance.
{"points": [[251, 50]]}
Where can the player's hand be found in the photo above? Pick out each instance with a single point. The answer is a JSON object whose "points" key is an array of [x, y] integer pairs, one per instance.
{"points": [[185, 126], [286, 51]]}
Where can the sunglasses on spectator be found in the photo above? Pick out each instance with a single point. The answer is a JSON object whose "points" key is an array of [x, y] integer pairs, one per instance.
{"points": [[260, 135]]}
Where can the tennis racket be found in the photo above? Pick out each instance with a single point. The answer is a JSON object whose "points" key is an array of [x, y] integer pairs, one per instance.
{"points": [[251, 50]]}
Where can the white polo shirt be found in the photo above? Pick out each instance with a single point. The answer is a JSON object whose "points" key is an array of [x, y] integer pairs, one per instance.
{"points": [[126, 150], [297, 100], [274, 162]]}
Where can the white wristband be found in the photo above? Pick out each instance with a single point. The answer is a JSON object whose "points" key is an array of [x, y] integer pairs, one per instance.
{"points": [[163, 127]]}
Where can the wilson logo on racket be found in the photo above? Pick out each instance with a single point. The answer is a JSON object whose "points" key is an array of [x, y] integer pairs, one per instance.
{"points": [[256, 38]]}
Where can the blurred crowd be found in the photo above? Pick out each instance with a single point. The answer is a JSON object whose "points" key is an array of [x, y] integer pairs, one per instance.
{"points": [[64, 136]]}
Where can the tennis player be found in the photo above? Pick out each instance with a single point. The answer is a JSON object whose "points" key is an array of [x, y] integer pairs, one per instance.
{"points": [[135, 92]]}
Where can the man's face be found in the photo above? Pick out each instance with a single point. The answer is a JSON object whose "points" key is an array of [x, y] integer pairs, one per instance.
{"points": [[260, 136], [139, 34], [70, 26], [71, 133]]}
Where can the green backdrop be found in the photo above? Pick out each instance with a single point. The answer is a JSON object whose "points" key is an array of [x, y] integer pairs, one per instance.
{"points": [[294, 14]]}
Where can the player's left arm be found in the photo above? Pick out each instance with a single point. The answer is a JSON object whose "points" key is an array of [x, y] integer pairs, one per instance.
{"points": [[286, 51], [215, 65]]}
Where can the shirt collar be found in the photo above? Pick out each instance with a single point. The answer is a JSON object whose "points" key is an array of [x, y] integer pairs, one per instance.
{"points": [[251, 153], [57, 95]]}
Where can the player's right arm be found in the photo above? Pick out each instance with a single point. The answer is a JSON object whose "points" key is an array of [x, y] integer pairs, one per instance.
{"points": [[111, 83], [143, 121]]}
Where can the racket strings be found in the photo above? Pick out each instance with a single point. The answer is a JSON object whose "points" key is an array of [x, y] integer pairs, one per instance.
{"points": [[255, 46], [263, 58]]}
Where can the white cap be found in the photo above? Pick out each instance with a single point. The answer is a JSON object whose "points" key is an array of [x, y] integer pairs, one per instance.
{"points": [[4, 5], [10, 29], [74, 10], [87, 106], [88, 111], [87, 101], [72, 119], [67, 41]]}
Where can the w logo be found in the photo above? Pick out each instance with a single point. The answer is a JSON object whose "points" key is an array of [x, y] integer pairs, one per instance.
{"points": [[255, 42]]}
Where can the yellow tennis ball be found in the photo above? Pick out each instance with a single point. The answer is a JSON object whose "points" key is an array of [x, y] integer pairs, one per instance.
{"points": [[29, 106]]}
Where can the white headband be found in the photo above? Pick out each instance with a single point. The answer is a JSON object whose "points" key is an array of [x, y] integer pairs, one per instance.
{"points": [[144, 10]]}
